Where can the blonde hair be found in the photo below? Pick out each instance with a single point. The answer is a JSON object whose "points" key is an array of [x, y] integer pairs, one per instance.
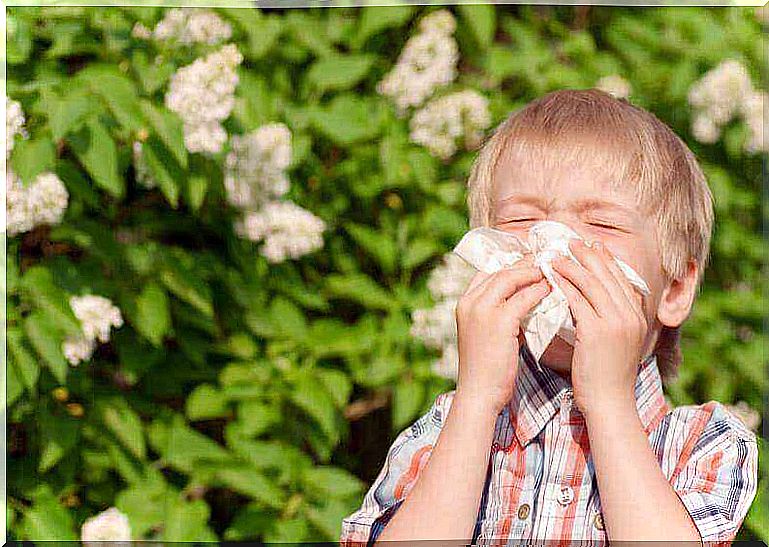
{"points": [[592, 127]]}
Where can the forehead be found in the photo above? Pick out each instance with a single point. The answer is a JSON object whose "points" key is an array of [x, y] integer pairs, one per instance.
{"points": [[561, 176]]}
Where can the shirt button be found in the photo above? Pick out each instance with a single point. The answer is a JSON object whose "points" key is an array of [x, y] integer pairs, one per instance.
{"points": [[598, 521], [566, 495], [523, 511]]}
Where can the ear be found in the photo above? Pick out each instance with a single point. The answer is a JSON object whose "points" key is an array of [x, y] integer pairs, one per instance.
{"points": [[678, 297]]}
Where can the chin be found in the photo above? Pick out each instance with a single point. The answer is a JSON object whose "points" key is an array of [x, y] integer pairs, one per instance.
{"points": [[558, 356]]}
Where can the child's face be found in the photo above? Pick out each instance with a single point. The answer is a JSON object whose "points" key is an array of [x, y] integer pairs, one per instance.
{"points": [[581, 198]]}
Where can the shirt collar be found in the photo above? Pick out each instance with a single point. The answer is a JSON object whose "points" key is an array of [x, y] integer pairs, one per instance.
{"points": [[539, 391]]}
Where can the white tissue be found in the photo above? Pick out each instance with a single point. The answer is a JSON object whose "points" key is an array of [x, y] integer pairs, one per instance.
{"points": [[489, 250]]}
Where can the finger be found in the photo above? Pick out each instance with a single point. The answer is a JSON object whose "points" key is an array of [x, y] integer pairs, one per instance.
{"points": [[580, 307], [522, 302], [477, 280], [594, 261], [586, 283], [508, 281], [634, 298]]}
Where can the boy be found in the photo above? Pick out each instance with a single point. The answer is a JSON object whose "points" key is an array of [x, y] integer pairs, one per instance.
{"points": [[518, 453]]}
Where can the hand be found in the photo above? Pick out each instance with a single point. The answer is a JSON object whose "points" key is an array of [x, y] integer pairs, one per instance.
{"points": [[488, 319], [611, 327]]}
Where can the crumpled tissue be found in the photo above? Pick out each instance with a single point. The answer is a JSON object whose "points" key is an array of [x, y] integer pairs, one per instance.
{"points": [[489, 250]]}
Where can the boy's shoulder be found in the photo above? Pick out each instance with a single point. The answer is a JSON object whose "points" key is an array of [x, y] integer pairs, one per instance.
{"points": [[712, 418]]}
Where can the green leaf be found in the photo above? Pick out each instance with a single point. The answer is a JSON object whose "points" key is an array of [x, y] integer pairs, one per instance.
{"points": [[169, 129], [206, 402], [360, 288], [195, 191], [287, 318], [376, 243], [32, 157], [337, 72], [187, 286], [44, 335], [24, 364], [14, 387], [125, 424], [481, 18], [418, 251], [378, 18], [38, 284], [117, 91], [261, 30], [47, 518], [59, 434], [163, 169], [337, 383], [349, 119], [249, 481], [181, 446], [95, 149], [151, 75], [315, 400], [255, 417], [69, 112], [328, 517], [408, 396], [332, 481], [187, 521], [332, 337], [153, 313]]}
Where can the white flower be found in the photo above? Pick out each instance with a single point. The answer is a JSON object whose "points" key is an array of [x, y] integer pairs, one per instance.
{"points": [[42, 202], [255, 167], [722, 94], [141, 32], [288, 230], [202, 93], [436, 326], [439, 22], [749, 416], [704, 129], [720, 91], [438, 126], [447, 365], [110, 525], [14, 124], [97, 315], [192, 25], [615, 85], [450, 278], [77, 349], [428, 61], [753, 114]]}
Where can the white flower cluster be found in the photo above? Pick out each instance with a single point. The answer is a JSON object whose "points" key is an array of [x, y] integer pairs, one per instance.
{"points": [[143, 175], [722, 94], [437, 326], [108, 526], [427, 62], [255, 167], [202, 93], [288, 230], [41, 202], [616, 85], [443, 120], [97, 315], [187, 26]]}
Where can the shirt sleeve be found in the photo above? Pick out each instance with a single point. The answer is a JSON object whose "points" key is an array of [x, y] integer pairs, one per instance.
{"points": [[717, 482], [405, 460]]}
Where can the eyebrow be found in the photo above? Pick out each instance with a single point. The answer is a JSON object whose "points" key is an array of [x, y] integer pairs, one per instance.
{"points": [[586, 204]]}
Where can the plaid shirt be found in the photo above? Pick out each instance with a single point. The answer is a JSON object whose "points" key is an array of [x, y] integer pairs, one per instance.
{"points": [[541, 484]]}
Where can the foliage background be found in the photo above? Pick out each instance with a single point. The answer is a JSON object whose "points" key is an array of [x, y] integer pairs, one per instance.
{"points": [[248, 400]]}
